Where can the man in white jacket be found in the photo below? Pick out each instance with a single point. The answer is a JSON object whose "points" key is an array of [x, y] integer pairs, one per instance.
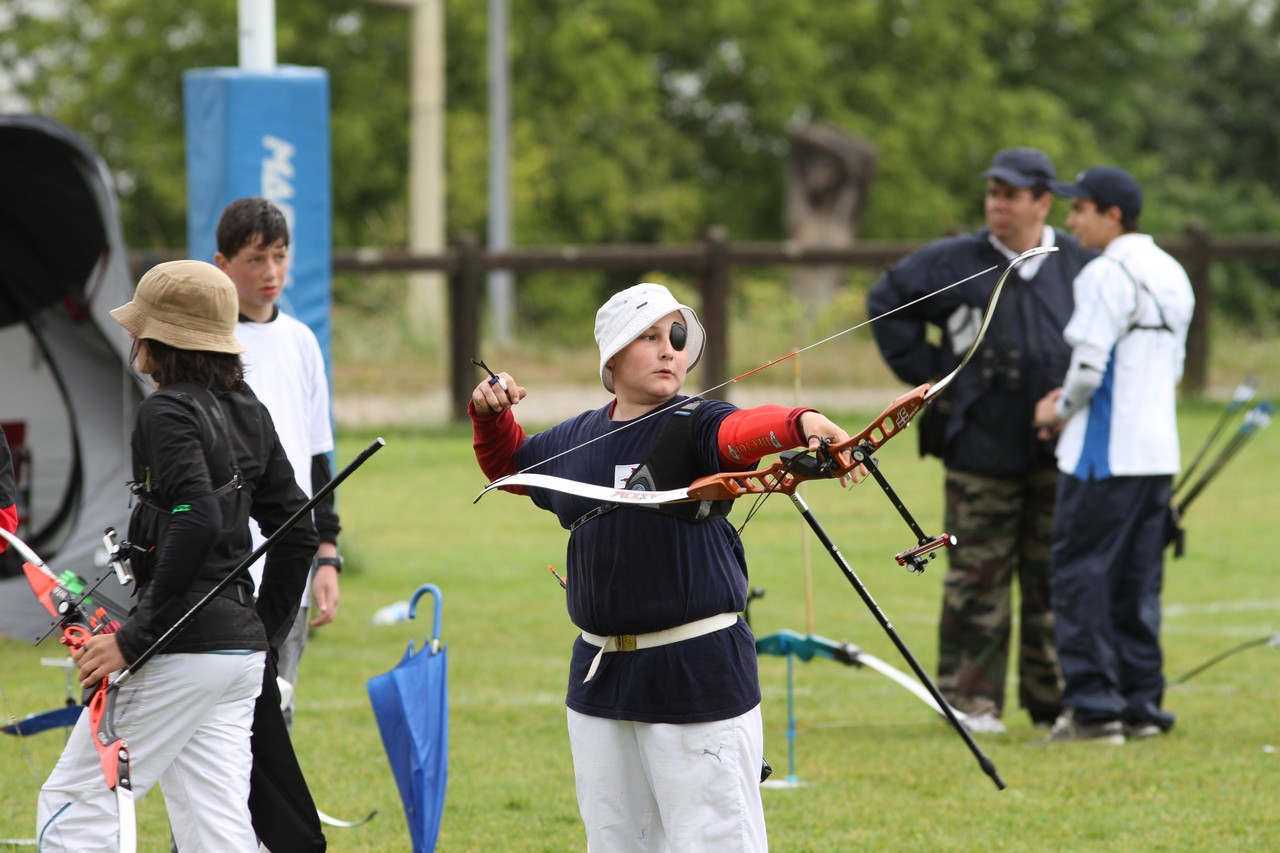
{"points": [[1118, 452]]}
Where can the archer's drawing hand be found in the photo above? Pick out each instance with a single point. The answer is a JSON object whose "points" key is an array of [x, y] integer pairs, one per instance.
{"points": [[491, 397], [97, 658], [817, 428]]}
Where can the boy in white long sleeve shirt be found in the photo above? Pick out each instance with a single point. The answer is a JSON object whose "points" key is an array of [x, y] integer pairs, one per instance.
{"points": [[1118, 452]]}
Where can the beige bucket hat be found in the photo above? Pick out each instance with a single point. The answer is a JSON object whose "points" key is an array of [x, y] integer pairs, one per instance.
{"points": [[189, 305]]}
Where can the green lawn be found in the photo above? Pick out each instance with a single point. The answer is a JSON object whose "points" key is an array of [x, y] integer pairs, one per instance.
{"points": [[880, 770]]}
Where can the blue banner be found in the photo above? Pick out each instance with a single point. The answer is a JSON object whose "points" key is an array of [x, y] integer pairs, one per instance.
{"points": [[252, 133]]}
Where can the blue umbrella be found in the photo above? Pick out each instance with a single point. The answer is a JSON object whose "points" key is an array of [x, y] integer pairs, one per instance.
{"points": [[411, 704], [31, 724]]}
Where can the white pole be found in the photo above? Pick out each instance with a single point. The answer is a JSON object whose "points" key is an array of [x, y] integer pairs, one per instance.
{"points": [[500, 281], [426, 170], [257, 24]]}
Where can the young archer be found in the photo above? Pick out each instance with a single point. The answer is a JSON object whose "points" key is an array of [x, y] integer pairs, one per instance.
{"points": [[664, 695]]}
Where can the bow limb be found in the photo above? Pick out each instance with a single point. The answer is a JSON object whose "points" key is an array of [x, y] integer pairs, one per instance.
{"points": [[783, 477], [48, 589], [990, 312], [587, 490], [113, 755]]}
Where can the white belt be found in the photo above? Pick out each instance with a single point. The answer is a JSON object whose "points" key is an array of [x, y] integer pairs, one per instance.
{"points": [[636, 642]]}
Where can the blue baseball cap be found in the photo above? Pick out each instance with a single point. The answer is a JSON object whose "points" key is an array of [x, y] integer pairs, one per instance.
{"points": [[1021, 167], [1106, 184]]}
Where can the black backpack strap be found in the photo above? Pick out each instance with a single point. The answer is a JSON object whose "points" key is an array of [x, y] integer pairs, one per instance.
{"points": [[675, 461], [213, 419], [237, 477]]}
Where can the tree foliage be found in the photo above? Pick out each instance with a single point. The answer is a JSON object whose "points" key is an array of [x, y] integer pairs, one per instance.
{"points": [[647, 120]]}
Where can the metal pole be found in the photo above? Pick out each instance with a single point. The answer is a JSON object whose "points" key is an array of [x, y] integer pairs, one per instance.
{"points": [[425, 302], [501, 285], [426, 169], [257, 29]]}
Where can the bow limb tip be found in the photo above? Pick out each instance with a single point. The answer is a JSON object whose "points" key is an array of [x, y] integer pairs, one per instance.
{"points": [[1032, 252], [489, 488]]}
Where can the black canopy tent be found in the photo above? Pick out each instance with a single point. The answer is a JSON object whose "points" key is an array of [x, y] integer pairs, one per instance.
{"points": [[67, 391]]}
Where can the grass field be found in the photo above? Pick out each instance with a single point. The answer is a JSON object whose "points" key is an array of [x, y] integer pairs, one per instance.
{"points": [[879, 770]]}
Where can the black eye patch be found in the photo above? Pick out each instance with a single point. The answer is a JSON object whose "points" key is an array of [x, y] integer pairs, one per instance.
{"points": [[679, 336]]}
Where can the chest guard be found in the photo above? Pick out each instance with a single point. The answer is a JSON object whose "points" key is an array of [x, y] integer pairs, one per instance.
{"points": [[673, 462]]}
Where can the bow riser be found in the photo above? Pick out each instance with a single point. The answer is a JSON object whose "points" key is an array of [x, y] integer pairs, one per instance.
{"points": [[780, 477]]}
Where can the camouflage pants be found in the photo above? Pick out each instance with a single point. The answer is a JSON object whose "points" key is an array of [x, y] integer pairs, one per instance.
{"points": [[1004, 527]]}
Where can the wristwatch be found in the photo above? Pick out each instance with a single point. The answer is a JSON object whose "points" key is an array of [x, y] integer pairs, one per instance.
{"points": [[336, 562]]}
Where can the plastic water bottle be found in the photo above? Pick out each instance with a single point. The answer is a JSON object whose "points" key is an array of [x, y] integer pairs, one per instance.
{"points": [[397, 611]]}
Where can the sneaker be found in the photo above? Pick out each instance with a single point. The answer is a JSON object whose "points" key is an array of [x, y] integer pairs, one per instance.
{"points": [[985, 723], [1146, 729], [1068, 729]]}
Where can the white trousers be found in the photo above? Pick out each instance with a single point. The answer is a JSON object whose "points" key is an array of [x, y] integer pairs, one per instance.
{"points": [[187, 719], [651, 787]]}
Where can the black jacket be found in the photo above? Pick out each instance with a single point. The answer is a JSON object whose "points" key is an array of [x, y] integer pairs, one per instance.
{"points": [[1022, 357], [186, 539]]}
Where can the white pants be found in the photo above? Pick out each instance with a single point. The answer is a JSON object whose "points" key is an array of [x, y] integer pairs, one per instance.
{"points": [[656, 787], [187, 719]]}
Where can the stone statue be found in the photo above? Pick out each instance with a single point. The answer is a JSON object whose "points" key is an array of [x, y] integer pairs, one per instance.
{"points": [[828, 173]]}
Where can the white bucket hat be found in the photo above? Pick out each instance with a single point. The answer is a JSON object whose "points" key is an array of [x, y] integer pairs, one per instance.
{"points": [[629, 312]]}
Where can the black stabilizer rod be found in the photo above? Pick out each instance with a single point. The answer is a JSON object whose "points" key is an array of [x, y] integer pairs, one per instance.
{"points": [[305, 511], [985, 763]]}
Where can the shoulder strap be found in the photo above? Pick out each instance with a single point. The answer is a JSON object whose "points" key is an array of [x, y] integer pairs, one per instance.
{"points": [[211, 415], [1141, 288]]}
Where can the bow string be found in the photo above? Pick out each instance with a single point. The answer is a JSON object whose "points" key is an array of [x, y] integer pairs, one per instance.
{"points": [[783, 476]]}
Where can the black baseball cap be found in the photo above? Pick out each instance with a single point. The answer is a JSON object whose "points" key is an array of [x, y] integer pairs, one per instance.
{"points": [[1021, 167], [1106, 184]]}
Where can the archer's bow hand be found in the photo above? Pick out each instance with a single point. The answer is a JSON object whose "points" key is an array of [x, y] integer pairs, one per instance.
{"points": [[98, 658], [490, 398], [819, 431]]}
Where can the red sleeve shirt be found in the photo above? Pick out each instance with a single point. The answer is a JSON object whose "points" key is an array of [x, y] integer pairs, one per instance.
{"points": [[8, 493]]}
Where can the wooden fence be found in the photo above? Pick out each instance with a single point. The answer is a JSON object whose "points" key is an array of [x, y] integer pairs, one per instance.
{"points": [[466, 264]]}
